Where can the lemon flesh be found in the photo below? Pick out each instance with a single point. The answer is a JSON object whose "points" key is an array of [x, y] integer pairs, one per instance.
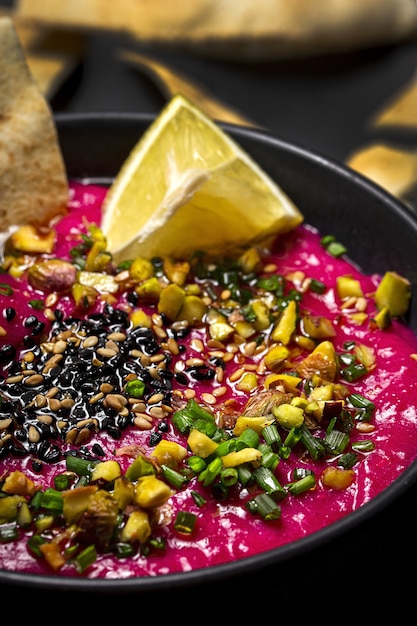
{"points": [[187, 186]]}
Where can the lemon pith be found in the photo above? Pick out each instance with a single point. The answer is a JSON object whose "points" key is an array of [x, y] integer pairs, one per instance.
{"points": [[187, 186]]}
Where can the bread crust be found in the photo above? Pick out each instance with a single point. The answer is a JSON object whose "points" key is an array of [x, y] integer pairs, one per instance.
{"points": [[33, 180], [240, 29]]}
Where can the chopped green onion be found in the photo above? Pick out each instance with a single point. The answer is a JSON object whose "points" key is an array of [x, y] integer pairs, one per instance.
{"points": [[336, 441], [269, 458], [336, 249], [245, 474], [124, 550], [212, 470], [182, 421], [367, 407], [353, 372], [314, 445], [86, 558], [196, 463], [185, 522], [301, 472], [363, 446], [35, 502], [326, 240], [293, 437], [302, 485], [331, 425], [33, 544], [81, 467], [317, 286], [272, 437], [249, 438], [157, 543], [347, 359], [265, 506], [39, 305], [229, 476], [5, 290], [268, 482], [62, 482], [52, 501], [184, 418], [219, 491], [225, 447], [347, 460], [198, 499], [272, 283], [284, 452], [173, 477]]}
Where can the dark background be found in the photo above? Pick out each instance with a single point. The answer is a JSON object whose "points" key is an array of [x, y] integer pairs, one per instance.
{"points": [[323, 104]]}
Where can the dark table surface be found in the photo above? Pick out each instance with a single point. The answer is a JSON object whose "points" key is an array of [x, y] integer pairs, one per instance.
{"points": [[324, 105]]}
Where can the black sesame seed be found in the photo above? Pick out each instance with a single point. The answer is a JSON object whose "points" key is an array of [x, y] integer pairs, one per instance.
{"points": [[6, 407], [79, 412], [154, 438], [65, 379], [53, 455], [216, 361], [159, 386], [43, 449], [9, 313], [54, 372], [38, 328], [123, 422], [183, 332], [37, 465], [97, 449], [7, 353], [59, 315], [30, 321], [133, 298], [28, 341], [201, 373], [18, 451], [181, 378], [27, 398], [114, 432], [166, 374]]}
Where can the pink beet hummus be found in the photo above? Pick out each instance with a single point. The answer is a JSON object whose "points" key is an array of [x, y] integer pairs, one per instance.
{"points": [[226, 531]]}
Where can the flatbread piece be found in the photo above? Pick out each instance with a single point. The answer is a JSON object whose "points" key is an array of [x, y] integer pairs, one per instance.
{"points": [[33, 179]]}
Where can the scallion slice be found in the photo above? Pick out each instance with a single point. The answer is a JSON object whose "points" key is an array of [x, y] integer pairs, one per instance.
{"points": [[301, 486], [185, 522], [86, 558], [265, 506]]}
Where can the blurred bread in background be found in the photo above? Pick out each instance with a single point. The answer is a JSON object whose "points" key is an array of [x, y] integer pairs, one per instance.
{"points": [[239, 29]]}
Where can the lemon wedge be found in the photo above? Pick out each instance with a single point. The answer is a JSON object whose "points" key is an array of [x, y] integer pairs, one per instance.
{"points": [[187, 186]]}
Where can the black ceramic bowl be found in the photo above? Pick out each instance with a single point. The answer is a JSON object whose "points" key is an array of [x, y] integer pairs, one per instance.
{"points": [[380, 234]]}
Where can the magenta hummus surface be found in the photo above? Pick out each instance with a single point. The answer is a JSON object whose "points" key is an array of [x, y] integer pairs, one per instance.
{"points": [[225, 530]]}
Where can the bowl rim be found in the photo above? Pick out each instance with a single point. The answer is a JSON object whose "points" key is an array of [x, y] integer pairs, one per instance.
{"points": [[286, 551]]}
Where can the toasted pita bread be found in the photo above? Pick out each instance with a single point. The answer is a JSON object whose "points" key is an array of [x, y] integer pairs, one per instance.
{"points": [[33, 179], [392, 168], [401, 110], [239, 29]]}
